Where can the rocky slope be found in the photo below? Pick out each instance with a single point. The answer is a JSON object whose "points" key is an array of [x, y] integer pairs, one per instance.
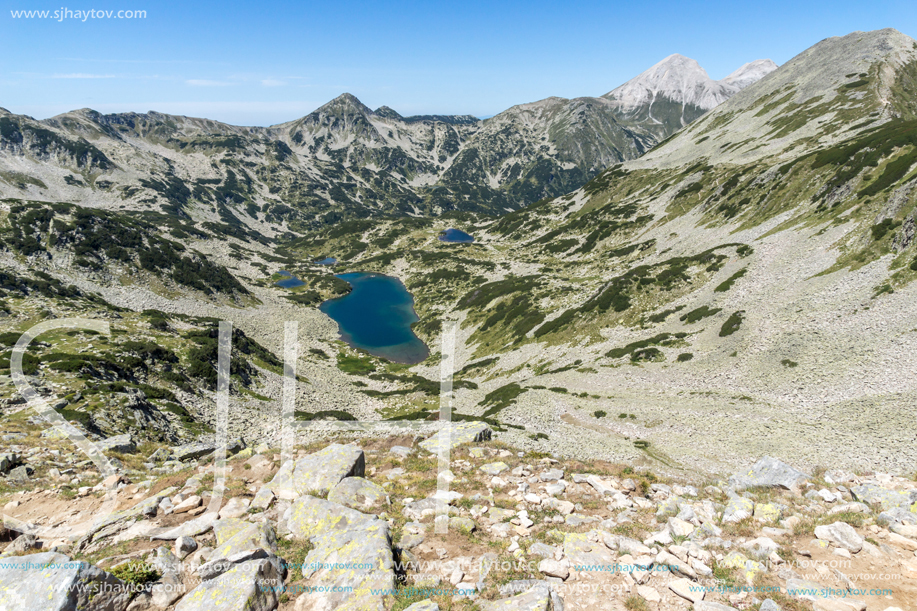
{"points": [[359, 525]]}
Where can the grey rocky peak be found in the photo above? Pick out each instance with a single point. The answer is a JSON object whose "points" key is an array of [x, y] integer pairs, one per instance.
{"points": [[682, 80]]}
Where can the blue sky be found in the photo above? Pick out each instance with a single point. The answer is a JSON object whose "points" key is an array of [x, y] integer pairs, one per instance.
{"points": [[268, 62]]}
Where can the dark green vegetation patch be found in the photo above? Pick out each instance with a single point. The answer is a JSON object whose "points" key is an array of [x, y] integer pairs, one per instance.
{"points": [[98, 237], [732, 324]]}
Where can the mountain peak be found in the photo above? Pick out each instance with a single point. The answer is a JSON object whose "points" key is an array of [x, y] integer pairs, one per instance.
{"points": [[347, 102], [682, 80], [750, 73], [388, 113]]}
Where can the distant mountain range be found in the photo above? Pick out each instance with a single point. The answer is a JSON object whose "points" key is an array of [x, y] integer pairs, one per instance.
{"points": [[345, 160]]}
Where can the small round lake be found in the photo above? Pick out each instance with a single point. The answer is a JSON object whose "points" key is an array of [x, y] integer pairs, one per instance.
{"points": [[289, 282], [376, 316], [456, 236], [326, 261]]}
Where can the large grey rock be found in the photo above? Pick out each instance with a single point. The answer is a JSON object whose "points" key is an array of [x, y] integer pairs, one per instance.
{"points": [[769, 605], [350, 558], [896, 515], [318, 473], [358, 493], [169, 587], [687, 589], [21, 473], [253, 586], [263, 499], [581, 549], [238, 541], [424, 605], [872, 494], [540, 549], [184, 546], [760, 547], [8, 460], [50, 582], [455, 434], [191, 528], [235, 446], [236, 507], [521, 586], [191, 451], [494, 468], [160, 455], [123, 444], [310, 516], [462, 524], [214, 568], [675, 564], [626, 545], [417, 510], [840, 534], [553, 568], [737, 509], [769, 473], [23, 544]]}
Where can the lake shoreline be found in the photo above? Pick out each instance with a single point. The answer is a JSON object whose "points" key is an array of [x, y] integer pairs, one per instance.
{"points": [[356, 335]]}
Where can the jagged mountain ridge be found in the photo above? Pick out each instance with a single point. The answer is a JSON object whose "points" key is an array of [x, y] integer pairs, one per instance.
{"points": [[342, 160]]}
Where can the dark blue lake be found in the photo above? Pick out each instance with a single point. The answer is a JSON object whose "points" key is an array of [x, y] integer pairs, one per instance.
{"points": [[456, 236], [289, 282], [376, 316]]}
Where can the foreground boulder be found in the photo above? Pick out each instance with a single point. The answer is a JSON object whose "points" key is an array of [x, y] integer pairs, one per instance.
{"points": [[252, 586], [358, 493], [874, 494], [319, 472], [842, 535], [350, 565], [239, 542], [769, 473], [50, 582]]}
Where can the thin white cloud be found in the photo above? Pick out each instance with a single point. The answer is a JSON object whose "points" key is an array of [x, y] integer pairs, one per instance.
{"points": [[269, 82], [83, 75], [206, 83]]}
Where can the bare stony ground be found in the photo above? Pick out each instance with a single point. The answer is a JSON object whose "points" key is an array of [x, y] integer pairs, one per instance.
{"points": [[359, 525]]}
